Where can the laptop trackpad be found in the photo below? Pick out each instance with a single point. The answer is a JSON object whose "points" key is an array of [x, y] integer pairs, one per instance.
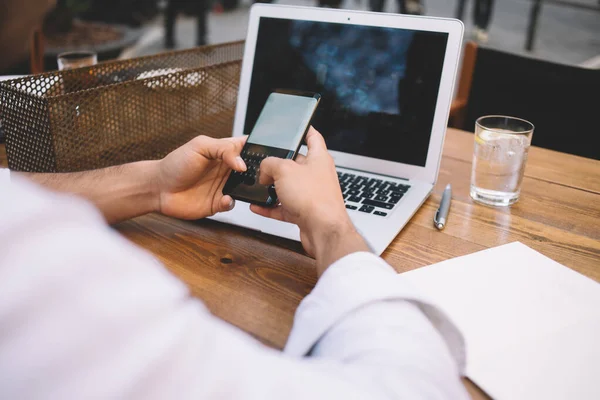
{"points": [[242, 216]]}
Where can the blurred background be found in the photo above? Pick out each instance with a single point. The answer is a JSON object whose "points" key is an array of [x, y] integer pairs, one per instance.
{"points": [[567, 32], [564, 31]]}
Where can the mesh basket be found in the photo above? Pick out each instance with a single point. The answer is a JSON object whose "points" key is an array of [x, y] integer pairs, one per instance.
{"points": [[118, 112]]}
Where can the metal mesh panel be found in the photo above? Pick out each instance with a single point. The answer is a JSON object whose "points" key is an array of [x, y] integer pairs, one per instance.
{"points": [[119, 112]]}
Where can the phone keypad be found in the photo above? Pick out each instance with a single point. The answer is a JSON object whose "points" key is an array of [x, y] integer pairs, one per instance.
{"points": [[252, 160]]}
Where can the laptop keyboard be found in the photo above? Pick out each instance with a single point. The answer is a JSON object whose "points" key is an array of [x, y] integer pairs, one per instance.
{"points": [[370, 195]]}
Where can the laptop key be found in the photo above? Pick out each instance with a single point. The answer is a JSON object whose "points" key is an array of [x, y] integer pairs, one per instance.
{"points": [[394, 200], [379, 204], [351, 207], [399, 189], [355, 199], [381, 198], [380, 213], [366, 209], [367, 195]]}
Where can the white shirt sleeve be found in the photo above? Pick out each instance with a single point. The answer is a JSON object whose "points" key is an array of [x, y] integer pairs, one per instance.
{"points": [[4, 176], [85, 314]]}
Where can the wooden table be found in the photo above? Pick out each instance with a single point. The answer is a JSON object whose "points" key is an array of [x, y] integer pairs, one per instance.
{"points": [[255, 281]]}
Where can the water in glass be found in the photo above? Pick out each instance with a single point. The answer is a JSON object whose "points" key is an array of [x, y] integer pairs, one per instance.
{"points": [[498, 166]]}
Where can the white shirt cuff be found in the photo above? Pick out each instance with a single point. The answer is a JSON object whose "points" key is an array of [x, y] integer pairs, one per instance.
{"points": [[352, 282]]}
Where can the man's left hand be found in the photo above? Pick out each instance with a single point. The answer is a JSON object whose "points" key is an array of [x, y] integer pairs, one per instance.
{"points": [[191, 178]]}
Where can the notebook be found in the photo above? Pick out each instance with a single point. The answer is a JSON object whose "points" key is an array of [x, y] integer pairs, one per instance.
{"points": [[531, 325]]}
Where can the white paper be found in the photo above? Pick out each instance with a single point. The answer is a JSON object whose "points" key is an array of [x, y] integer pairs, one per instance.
{"points": [[531, 325]]}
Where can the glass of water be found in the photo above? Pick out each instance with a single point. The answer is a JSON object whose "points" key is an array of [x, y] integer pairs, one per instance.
{"points": [[501, 147]]}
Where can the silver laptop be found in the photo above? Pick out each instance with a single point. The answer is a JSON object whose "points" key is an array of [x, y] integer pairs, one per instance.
{"points": [[386, 82]]}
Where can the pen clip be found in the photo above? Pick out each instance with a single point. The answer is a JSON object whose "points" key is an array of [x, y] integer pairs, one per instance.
{"points": [[435, 218]]}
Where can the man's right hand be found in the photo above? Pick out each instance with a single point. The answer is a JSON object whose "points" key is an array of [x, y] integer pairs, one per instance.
{"points": [[311, 198]]}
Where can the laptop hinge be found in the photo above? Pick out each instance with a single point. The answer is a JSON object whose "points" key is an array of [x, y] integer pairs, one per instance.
{"points": [[373, 173]]}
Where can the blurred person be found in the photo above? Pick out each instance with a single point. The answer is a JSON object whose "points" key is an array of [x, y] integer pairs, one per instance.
{"points": [[411, 7], [133, 13], [482, 16], [18, 20], [86, 314], [198, 8]]}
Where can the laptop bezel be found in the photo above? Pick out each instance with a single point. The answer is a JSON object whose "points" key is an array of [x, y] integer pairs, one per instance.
{"points": [[454, 29]]}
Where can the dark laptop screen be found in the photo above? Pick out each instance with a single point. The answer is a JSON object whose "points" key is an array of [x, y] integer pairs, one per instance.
{"points": [[379, 86]]}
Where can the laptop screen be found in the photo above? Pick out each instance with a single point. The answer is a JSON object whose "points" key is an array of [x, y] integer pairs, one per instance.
{"points": [[379, 86]]}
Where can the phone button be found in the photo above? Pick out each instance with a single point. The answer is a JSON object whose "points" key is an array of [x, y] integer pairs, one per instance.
{"points": [[272, 191]]}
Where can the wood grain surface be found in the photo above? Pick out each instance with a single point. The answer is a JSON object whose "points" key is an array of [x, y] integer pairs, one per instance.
{"points": [[256, 281]]}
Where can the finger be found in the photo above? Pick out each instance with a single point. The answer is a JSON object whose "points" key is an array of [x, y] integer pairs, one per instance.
{"points": [[300, 159], [226, 203], [227, 150], [239, 141], [209, 146], [271, 169], [231, 157], [315, 142], [269, 212]]}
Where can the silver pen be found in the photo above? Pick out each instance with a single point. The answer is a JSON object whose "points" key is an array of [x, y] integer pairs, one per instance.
{"points": [[442, 213]]}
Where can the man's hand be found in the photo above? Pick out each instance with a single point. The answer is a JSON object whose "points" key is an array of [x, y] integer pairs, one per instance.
{"points": [[191, 178], [311, 198], [187, 183]]}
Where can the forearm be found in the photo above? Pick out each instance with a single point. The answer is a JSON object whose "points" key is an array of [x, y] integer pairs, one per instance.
{"points": [[365, 316], [119, 192], [335, 242]]}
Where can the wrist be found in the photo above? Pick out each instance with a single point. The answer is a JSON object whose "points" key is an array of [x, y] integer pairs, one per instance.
{"points": [[334, 241], [151, 178], [140, 185]]}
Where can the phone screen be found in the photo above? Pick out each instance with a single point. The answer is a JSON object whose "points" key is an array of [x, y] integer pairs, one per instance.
{"points": [[283, 121], [278, 132]]}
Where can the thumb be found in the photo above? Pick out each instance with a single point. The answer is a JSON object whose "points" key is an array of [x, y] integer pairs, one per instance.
{"points": [[315, 143], [226, 203], [227, 150], [231, 157], [272, 168]]}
